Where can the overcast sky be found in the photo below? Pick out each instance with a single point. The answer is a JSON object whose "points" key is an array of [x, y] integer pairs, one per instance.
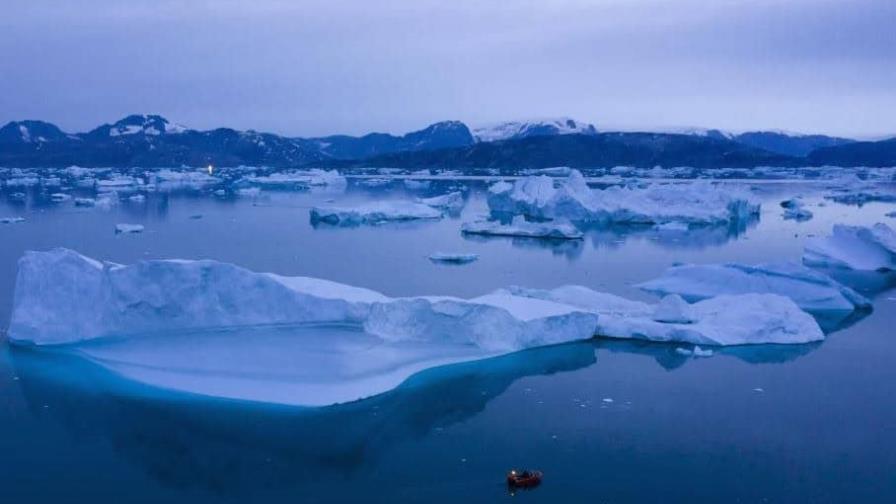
{"points": [[321, 67]]}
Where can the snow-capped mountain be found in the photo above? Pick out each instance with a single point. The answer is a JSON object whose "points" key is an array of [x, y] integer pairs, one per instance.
{"points": [[137, 124], [524, 129], [29, 132]]}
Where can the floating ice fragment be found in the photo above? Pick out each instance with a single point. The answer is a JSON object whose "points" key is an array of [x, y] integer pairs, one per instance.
{"points": [[128, 228], [854, 247], [520, 227], [374, 213], [453, 258]]}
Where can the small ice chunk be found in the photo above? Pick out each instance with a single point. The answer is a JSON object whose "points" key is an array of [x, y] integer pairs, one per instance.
{"points": [[453, 258], [794, 210], [417, 185], [85, 202], [59, 197], [520, 227], [11, 220], [451, 202], [128, 228], [137, 198]]}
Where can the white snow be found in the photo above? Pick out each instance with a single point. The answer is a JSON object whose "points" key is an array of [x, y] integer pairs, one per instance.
{"points": [[810, 290], [375, 212], [453, 257], [854, 247], [128, 228], [572, 199], [519, 129], [521, 227]]}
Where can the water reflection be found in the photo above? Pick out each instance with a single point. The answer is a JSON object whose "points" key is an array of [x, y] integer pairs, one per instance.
{"points": [[235, 448]]}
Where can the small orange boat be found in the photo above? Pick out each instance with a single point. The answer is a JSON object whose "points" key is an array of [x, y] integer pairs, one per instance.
{"points": [[523, 479]]}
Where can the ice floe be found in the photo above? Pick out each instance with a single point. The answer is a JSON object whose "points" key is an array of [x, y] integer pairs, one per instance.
{"points": [[812, 291], [451, 202], [523, 228], [854, 247], [11, 220], [375, 212], [572, 199]]}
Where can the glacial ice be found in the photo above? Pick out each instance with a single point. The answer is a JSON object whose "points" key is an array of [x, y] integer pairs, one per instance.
{"points": [[812, 291], [298, 179], [62, 296], [217, 329], [520, 227], [742, 319], [572, 199], [854, 247], [375, 212]]}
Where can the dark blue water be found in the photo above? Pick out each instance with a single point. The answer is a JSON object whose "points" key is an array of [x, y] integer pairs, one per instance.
{"points": [[810, 423]]}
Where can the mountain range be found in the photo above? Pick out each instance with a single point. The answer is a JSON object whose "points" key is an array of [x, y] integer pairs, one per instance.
{"points": [[153, 141]]}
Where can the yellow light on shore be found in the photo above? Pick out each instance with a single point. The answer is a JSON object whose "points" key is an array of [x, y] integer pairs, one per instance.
{"points": [[210, 169]]}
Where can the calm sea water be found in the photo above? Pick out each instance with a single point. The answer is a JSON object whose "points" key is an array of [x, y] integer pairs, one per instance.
{"points": [[811, 423]]}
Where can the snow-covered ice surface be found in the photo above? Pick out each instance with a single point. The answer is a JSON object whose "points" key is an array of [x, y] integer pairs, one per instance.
{"points": [[572, 199], [742, 319], [812, 291], [560, 230], [854, 247]]}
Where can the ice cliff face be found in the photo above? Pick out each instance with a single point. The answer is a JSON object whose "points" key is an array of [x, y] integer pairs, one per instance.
{"points": [[63, 297]]}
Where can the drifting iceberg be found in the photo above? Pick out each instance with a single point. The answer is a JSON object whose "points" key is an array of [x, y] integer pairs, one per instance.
{"points": [[794, 210], [572, 199], [451, 202], [300, 179], [217, 329], [812, 291], [453, 258], [11, 220], [375, 212], [854, 247], [520, 227], [128, 228], [743, 319]]}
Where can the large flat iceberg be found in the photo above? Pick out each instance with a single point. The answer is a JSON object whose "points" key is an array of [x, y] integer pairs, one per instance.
{"points": [[217, 329], [854, 247], [376, 212], [558, 230], [696, 203]]}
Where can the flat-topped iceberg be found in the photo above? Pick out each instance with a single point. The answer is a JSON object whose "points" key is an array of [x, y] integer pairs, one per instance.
{"points": [[854, 247], [560, 230], [128, 228], [375, 212], [697, 203], [744, 319], [296, 179], [812, 291]]}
